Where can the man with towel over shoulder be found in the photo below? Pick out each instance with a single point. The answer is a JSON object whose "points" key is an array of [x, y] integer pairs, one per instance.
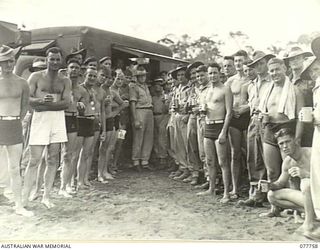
{"points": [[279, 109]]}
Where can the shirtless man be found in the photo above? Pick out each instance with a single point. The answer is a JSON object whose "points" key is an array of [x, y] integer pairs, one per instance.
{"points": [[280, 109], [108, 145], [14, 100], [99, 122], [49, 97], [86, 120], [239, 122], [218, 115], [228, 66], [296, 164], [69, 149]]}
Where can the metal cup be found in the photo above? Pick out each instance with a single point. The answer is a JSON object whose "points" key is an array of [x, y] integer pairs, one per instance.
{"points": [[305, 114], [263, 186]]}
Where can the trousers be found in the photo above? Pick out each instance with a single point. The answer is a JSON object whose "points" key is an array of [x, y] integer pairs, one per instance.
{"points": [[160, 143], [143, 137], [180, 131], [192, 146]]}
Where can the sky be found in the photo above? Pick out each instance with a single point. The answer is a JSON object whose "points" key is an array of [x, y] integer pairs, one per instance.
{"points": [[266, 22]]}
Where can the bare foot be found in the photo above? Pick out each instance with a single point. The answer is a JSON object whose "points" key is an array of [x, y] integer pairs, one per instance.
{"points": [[208, 192], [34, 196], [70, 190], [88, 184], [225, 199], [47, 203], [269, 214], [24, 212], [108, 176], [102, 180], [233, 196], [297, 218], [64, 193]]}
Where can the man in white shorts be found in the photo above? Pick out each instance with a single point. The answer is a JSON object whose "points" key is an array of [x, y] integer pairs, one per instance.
{"points": [[50, 95]]}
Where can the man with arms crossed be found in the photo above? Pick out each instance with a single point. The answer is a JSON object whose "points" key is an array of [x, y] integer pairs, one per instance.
{"points": [[49, 97], [218, 115], [14, 98]]}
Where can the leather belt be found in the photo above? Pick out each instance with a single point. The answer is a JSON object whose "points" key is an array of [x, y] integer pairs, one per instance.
{"points": [[9, 118], [214, 121], [69, 113], [155, 113], [143, 107]]}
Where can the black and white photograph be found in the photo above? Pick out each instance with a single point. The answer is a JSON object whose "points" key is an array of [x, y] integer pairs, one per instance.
{"points": [[159, 121]]}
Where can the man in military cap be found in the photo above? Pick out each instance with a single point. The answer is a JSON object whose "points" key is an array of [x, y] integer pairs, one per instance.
{"points": [[181, 121], [295, 60], [161, 117], [251, 95], [106, 61], [91, 62], [78, 55], [142, 119], [194, 161]]}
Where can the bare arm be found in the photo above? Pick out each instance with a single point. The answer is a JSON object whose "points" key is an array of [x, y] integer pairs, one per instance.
{"points": [[228, 104], [103, 112], [24, 99], [283, 178], [244, 106], [33, 85]]}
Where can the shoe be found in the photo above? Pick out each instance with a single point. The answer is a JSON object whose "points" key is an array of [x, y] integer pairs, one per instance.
{"points": [[194, 181], [181, 177], [248, 202], [175, 174], [188, 179]]}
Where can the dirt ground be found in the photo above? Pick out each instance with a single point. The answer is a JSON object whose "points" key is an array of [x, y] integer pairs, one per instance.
{"points": [[142, 206]]}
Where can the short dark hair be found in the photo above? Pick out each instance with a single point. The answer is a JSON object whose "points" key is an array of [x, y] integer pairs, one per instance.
{"points": [[228, 58], [283, 132], [214, 65], [72, 60], [202, 68], [54, 50], [241, 53]]}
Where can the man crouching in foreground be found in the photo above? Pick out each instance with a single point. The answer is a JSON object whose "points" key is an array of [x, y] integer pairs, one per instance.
{"points": [[296, 164]]}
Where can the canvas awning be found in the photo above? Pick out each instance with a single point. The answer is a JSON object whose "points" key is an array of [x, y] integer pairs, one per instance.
{"points": [[143, 53]]}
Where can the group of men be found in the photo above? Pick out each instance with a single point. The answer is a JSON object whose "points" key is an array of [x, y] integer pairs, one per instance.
{"points": [[205, 118]]}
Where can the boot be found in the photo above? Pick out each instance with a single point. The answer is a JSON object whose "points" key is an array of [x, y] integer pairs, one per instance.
{"points": [[184, 175]]}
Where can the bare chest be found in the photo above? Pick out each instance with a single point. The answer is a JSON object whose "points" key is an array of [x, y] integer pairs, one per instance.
{"points": [[47, 85], [10, 89]]}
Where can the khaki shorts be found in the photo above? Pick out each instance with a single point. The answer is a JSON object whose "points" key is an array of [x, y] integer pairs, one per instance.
{"points": [[48, 127]]}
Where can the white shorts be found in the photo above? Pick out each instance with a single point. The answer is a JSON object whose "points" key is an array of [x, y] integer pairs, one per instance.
{"points": [[48, 127]]}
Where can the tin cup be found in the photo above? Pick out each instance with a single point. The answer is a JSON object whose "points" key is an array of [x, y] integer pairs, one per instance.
{"points": [[263, 186], [122, 134], [306, 115], [203, 108]]}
